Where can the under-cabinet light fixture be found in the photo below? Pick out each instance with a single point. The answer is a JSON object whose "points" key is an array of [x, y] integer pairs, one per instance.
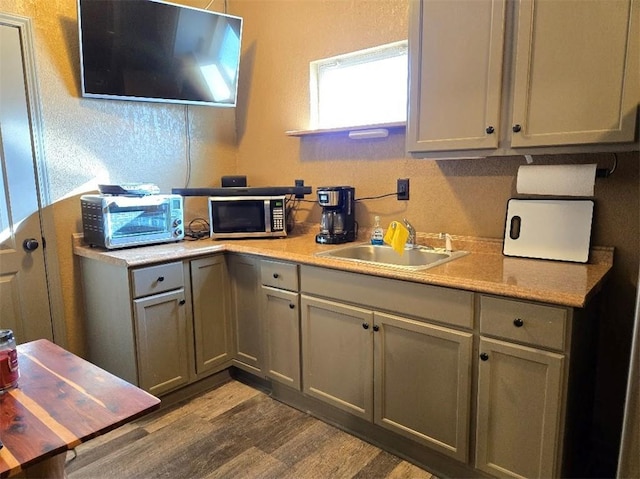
{"points": [[366, 134]]}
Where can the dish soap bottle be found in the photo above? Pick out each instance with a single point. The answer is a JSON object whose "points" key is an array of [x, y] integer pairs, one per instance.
{"points": [[377, 234]]}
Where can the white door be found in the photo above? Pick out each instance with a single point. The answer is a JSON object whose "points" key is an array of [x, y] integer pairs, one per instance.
{"points": [[24, 300]]}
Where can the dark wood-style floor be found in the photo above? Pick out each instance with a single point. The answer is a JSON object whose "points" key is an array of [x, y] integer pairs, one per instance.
{"points": [[234, 431]]}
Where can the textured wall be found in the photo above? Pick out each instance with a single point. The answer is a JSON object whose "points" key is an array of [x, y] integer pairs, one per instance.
{"points": [[88, 142]]}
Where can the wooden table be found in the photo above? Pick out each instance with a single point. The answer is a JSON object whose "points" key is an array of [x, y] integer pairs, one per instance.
{"points": [[61, 401]]}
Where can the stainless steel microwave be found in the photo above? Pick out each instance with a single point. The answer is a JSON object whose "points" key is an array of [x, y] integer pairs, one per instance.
{"points": [[123, 221], [247, 216]]}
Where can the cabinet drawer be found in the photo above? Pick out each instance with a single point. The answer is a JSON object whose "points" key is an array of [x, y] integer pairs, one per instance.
{"points": [[157, 279], [528, 323], [279, 275]]}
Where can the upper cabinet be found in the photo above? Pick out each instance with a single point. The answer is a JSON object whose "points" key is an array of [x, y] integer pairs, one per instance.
{"points": [[455, 64], [501, 77]]}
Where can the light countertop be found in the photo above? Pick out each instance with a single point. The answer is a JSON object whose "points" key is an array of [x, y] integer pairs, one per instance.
{"points": [[485, 269]]}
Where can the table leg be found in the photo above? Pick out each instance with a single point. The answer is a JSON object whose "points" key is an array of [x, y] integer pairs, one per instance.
{"points": [[50, 468]]}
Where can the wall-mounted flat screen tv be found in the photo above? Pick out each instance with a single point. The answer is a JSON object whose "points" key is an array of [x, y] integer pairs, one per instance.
{"points": [[150, 50]]}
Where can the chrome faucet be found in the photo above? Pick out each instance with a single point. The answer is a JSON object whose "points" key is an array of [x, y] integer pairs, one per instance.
{"points": [[411, 240]]}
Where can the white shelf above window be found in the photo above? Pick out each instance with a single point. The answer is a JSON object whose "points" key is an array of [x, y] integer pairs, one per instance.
{"points": [[360, 132]]}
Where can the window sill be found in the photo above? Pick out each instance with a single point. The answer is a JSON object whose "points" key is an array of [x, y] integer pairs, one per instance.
{"points": [[380, 130]]}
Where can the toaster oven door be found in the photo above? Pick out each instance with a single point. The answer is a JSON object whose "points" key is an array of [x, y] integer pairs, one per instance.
{"points": [[137, 222]]}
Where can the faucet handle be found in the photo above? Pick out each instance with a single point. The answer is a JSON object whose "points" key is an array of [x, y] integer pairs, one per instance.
{"points": [[447, 238]]}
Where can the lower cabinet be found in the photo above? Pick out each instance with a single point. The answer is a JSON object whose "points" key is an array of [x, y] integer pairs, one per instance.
{"points": [[281, 317], [405, 375], [211, 326], [422, 382], [519, 410], [399, 355], [244, 279], [265, 314], [161, 339], [337, 355], [161, 326], [523, 386]]}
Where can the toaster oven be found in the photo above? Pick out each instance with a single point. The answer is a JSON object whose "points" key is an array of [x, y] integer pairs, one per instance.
{"points": [[114, 222]]}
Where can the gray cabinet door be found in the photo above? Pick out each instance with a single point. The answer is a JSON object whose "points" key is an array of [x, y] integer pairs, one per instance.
{"points": [[337, 361], [281, 317], [519, 410], [422, 382], [244, 278], [212, 327], [562, 65], [455, 50], [161, 338]]}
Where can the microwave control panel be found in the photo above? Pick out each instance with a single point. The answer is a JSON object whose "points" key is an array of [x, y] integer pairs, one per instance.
{"points": [[277, 215]]}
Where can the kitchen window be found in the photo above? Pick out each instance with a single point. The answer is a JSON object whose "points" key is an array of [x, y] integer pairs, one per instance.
{"points": [[366, 87]]}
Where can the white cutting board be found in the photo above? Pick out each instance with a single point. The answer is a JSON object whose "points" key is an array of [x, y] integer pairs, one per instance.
{"points": [[549, 229]]}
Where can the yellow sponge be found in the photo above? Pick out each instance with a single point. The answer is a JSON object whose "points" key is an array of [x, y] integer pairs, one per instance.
{"points": [[396, 236]]}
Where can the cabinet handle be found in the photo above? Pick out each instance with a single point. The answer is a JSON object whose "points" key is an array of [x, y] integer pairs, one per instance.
{"points": [[30, 244], [365, 325], [376, 327], [181, 302], [484, 356], [490, 130], [160, 279], [276, 275], [517, 128], [292, 306], [518, 323]]}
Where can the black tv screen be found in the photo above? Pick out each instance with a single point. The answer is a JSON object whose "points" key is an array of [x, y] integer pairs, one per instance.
{"points": [[149, 50]]}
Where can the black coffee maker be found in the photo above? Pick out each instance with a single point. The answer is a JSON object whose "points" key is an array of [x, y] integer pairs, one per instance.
{"points": [[338, 221]]}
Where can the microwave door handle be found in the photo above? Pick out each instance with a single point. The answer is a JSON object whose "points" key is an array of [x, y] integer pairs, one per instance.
{"points": [[267, 216]]}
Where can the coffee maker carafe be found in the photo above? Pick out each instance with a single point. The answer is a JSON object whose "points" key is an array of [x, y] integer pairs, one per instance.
{"points": [[338, 220]]}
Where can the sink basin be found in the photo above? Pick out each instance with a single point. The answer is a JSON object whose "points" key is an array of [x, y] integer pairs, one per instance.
{"points": [[421, 257]]}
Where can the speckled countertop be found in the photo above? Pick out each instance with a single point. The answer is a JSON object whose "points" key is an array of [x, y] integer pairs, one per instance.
{"points": [[483, 270]]}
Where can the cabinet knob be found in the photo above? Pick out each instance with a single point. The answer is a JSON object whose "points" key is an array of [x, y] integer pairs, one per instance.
{"points": [[516, 128], [484, 356], [376, 327], [292, 306], [490, 130], [160, 279], [518, 323], [181, 302], [276, 275], [30, 244], [365, 325]]}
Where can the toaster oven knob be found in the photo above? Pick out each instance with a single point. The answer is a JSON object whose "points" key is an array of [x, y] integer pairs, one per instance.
{"points": [[178, 232], [177, 222]]}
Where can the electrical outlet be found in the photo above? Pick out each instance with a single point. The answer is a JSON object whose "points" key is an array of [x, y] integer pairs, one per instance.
{"points": [[403, 188], [299, 183]]}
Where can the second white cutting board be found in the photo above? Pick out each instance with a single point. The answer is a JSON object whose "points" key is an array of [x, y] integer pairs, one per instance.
{"points": [[549, 229]]}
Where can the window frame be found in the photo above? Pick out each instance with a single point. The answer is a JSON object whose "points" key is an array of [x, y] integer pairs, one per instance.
{"points": [[377, 53]]}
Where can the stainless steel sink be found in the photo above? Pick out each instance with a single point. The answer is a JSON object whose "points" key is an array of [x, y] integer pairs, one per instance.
{"points": [[417, 258]]}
